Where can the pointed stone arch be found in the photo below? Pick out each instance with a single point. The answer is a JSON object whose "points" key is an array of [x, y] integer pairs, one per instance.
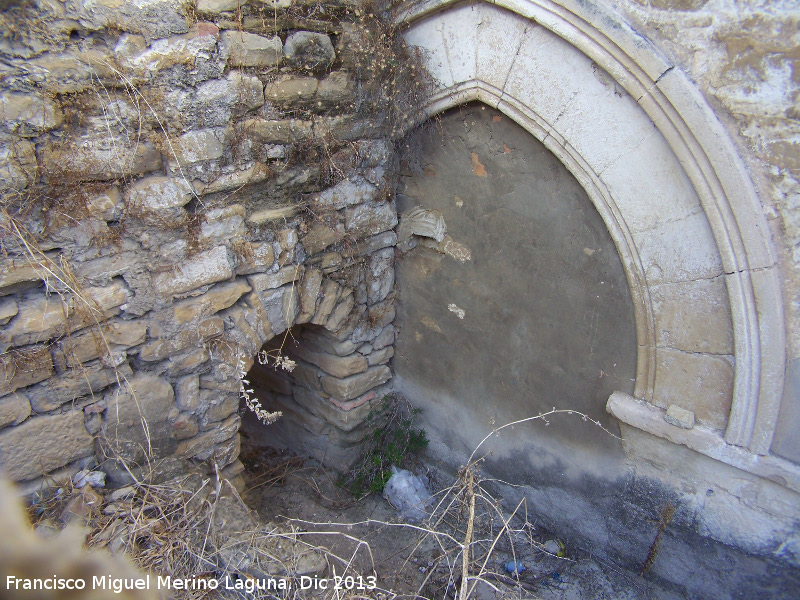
{"points": [[667, 181]]}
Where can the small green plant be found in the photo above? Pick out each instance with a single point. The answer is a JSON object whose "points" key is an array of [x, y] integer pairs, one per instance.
{"points": [[393, 440]]}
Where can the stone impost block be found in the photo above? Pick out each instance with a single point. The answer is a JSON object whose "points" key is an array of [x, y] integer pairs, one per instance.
{"points": [[14, 409], [262, 326], [250, 50], [274, 309], [233, 470], [206, 267], [227, 452], [338, 366], [271, 281], [355, 385], [43, 444], [161, 349], [254, 257], [88, 379], [214, 300], [702, 383], [136, 419], [243, 328]]}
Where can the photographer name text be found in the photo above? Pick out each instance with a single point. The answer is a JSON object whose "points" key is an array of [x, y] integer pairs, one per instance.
{"points": [[201, 582]]}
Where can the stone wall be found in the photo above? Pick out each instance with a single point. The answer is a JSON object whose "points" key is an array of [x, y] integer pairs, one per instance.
{"points": [[181, 185]]}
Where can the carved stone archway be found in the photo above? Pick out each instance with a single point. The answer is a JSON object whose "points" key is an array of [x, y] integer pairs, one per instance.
{"points": [[671, 189]]}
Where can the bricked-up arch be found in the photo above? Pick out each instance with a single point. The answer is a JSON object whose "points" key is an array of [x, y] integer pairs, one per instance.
{"points": [[672, 190]]}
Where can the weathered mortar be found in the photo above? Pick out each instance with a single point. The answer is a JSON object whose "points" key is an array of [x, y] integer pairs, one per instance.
{"points": [[179, 187]]}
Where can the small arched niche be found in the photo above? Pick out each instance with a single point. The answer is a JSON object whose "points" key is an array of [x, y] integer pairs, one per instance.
{"points": [[325, 387], [512, 300]]}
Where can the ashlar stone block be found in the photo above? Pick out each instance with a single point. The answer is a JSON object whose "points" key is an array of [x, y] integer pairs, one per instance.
{"points": [[351, 387], [206, 267], [338, 366], [251, 50], [43, 444]]}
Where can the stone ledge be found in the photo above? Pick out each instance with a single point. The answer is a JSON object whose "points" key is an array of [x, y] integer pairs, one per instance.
{"points": [[643, 415]]}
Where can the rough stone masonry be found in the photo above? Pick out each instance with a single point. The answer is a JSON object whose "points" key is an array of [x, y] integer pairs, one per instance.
{"points": [[181, 185]]}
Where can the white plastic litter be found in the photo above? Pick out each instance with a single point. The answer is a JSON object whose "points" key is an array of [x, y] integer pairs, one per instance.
{"points": [[96, 479], [407, 494]]}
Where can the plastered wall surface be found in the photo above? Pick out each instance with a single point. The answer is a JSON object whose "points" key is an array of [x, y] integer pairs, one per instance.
{"points": [[520, 306]]}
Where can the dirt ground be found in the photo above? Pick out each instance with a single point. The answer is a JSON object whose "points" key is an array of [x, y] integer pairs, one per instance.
{"points": [[367, 540]]}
